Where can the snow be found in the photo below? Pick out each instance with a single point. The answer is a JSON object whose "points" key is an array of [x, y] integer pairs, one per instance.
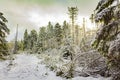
{"points": [[29, 67]]}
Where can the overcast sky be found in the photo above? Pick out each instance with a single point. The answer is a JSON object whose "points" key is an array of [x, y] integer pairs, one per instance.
{"points": [[32, 14]]}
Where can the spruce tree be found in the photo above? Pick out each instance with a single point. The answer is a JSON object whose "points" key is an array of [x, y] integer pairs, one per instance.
{"points": [[107, 40], [58, 34], [42, 38], [29, 42], [25, 41], [49, 30], [65, 29], [33, 39], [3, 32], [49, 35]]}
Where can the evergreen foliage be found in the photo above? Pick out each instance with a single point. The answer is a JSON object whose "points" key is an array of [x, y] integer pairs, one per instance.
{"points": [[65, 29], [25, 42], [33, 39], [58, 34], [3, 32], [42, 38], [107, 40]]}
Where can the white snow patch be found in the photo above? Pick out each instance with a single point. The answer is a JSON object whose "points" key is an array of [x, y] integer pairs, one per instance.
{"points": [[28, 67]]}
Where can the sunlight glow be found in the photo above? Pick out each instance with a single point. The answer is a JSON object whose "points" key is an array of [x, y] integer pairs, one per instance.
{"points": [[42, 19]]}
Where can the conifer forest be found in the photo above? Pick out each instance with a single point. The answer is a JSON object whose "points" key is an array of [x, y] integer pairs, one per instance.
{"points": [[59, 40]]}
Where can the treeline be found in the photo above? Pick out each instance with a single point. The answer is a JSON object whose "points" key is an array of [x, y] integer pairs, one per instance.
{"points": [[48, 37], [54, 36]]}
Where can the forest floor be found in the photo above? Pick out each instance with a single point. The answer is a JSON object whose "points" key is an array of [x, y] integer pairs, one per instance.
{"points": [[29, 67]]}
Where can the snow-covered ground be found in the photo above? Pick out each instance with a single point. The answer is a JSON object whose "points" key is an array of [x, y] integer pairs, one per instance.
{"points": [[29, 67]]}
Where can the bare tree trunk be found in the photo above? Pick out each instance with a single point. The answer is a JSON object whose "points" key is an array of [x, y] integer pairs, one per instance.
{"points": [[84, 29], [15, 45]]}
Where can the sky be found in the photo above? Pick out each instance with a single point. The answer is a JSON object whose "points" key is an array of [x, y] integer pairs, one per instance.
{"points": [[32, 14]]}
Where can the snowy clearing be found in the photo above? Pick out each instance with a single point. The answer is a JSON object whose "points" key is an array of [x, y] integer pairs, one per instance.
{"points": [[28, 67]]}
